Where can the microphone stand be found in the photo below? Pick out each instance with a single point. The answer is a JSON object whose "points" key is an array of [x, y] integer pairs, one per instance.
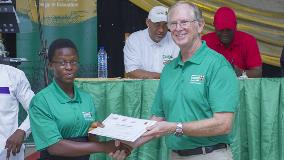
{"points": [[43, 53]]}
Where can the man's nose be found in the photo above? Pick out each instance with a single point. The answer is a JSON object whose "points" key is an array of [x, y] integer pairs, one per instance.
{"points": [[161, 29]]}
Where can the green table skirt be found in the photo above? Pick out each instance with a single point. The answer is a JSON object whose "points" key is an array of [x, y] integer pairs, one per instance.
{"points": [[259, 121]]}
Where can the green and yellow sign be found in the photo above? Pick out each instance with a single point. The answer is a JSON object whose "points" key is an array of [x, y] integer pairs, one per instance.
{"points": [[72, 19]]}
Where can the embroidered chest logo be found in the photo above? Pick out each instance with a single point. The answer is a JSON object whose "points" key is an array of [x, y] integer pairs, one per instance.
{"points": [[88, 116], [197, 79], [167, 59]]}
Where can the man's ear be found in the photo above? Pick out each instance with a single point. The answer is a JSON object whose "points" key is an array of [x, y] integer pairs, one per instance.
{"points": [[201, 24], [50, 67], [147, 22]]}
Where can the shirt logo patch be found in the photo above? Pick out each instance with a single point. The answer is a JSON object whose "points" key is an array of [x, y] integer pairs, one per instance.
{"points": [[197, 79], [87, 116], [4, 90], [167, 59]]}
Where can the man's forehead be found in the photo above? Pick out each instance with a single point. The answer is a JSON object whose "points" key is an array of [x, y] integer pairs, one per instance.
{"points": [[181, 11], [159, 23], [181, 15]]}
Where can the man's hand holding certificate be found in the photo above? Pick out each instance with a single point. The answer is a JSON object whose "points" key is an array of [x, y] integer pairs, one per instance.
{"points": [[122, 127]]}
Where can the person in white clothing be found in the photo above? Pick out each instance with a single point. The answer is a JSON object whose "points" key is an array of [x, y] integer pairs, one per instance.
{"points": [[146, 52], [14, 89]]}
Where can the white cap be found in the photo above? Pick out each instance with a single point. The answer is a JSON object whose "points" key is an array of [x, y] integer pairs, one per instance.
{"points": [[158, 14]]}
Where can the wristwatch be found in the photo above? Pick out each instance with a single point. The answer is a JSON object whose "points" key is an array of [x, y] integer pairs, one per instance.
{"points": [[179, 131]]}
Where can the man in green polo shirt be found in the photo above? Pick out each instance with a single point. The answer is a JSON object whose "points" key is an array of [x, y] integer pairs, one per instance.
{"points": [[197, 95]]}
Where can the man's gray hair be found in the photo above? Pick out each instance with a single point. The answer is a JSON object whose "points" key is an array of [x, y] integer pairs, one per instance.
{"points": [[197, 12]]}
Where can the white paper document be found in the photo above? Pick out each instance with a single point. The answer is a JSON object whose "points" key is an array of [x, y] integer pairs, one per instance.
{"points": [[123, 127]]}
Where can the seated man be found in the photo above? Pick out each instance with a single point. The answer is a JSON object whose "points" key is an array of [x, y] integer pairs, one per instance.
{"points": [[239, 48], [147, 51]]}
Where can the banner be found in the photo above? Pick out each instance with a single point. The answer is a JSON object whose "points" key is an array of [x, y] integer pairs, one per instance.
{"points": [[72, 19]]}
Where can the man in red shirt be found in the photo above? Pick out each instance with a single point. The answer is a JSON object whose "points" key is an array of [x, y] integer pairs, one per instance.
{"points": [[238, 47]]}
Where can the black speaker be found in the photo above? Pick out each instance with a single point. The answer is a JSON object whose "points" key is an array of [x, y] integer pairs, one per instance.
{"points": [[8, 18]]}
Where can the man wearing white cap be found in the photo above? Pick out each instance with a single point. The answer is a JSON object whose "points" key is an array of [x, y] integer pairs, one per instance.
{"points": [[146, 52]]}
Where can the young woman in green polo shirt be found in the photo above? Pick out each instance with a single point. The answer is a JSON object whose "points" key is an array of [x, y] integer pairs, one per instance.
{"points": [[61, 114]]}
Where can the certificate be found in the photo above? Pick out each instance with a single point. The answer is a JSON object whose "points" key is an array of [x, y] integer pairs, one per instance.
{"points": [[123, 127]]}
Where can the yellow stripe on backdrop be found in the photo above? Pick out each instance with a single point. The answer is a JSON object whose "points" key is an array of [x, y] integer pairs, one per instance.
{"points": [[266, 26], [68, 11], [270, 60]]}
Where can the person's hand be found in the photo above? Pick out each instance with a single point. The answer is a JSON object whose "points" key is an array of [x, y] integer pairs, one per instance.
{"points": [[92, 137], [14, 142], [118, 155], [160, 129], [126, 148], [110, 147], [95, 125], [123, 151], [128, 143]]}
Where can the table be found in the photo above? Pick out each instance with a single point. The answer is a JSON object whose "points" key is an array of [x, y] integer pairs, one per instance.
{"points": [[258, 125]]}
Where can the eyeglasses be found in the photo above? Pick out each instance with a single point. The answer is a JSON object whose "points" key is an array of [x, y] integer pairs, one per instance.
{"points": [[64, 63], [183, 24]]}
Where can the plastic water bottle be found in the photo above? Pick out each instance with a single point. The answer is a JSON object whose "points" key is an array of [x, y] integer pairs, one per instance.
{"points": [[2, 47], [102, 63]]}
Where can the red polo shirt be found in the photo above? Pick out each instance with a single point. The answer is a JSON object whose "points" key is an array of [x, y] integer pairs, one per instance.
{"points": [[242, 52]]}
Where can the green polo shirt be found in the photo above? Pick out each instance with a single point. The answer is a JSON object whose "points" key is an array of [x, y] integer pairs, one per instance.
{"points": [[55, 116], [195, 90]]}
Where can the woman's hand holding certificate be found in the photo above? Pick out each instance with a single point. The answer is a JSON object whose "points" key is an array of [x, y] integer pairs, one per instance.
{"points": [[122, 127]]}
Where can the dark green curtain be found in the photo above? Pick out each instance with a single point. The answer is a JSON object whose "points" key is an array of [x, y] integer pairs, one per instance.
{"points": [[258, 124], [259, 120]]}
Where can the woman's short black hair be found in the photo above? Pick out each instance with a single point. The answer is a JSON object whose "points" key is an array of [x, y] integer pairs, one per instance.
{"points": [[58, 44]]}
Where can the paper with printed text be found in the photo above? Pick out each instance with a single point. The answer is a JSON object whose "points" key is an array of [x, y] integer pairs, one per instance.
{"points": [[123, 127]]}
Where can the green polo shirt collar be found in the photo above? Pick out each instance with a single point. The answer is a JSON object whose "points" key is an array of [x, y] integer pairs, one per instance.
{"points": [[196, 58], [63, 97]]}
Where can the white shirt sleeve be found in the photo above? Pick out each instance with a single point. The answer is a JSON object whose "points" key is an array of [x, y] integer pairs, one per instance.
{"points": [[132, 59], [24, 95]]}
